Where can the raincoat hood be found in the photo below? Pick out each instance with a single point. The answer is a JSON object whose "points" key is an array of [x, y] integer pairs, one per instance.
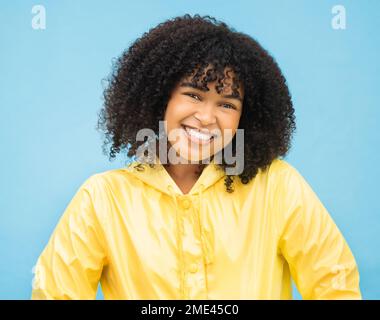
{"points": [[158, 178]]}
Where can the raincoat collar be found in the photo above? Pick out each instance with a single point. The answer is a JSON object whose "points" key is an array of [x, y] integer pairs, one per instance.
{"points": [[158, 178]]}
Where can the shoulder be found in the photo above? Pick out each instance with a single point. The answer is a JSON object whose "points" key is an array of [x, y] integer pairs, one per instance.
{"points": [[286, 182], [281, 169], [109, 179], [280, 165]]}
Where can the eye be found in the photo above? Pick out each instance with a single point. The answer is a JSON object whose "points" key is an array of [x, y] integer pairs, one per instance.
{"points": [[191, 95], [225, 105], [228, 106]]}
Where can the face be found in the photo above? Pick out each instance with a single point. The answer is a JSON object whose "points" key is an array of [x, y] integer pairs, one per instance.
{"points": [[201, 123]]}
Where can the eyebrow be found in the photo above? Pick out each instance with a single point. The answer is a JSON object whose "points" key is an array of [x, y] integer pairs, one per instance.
{"points": [[191, 85]]}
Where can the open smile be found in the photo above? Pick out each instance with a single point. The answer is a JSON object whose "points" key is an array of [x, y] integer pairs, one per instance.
{"points": [[197, 136]]}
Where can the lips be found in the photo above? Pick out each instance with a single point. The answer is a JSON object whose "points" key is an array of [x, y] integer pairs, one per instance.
{"points": [[197, 135], [205, 131]]}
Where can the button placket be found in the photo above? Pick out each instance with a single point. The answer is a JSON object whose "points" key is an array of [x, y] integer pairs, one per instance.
{"points": [[193, 253], [193, 268], [186, 204], [196, 282]]}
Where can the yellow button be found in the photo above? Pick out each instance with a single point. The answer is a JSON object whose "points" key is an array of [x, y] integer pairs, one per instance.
{"points": [[186, 204], [193, 268]]}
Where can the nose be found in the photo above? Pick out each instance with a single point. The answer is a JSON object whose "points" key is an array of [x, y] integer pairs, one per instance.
{"points": [[206, 115]]}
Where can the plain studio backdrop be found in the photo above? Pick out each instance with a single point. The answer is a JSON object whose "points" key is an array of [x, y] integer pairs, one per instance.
{"points": [[51, 92]]}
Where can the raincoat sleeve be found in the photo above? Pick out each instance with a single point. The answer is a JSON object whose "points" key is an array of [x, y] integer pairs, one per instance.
{"points": [[71, 264], [320, 261]]}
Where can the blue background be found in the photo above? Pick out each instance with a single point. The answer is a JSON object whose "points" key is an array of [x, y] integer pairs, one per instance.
{"points": [[51, 92]]}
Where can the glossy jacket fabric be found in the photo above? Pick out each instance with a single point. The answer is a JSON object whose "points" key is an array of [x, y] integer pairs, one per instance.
{"points": [[134, 230]]}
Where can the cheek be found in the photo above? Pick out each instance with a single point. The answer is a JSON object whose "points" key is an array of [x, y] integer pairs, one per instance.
{"points": [[228, 126], [229, 122], [177, 113], [174, 115]]}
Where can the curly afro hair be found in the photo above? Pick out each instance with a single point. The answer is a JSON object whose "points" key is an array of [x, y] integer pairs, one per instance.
{"points": [[144, 76]]}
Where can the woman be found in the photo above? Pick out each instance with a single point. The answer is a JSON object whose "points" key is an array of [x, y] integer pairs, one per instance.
{"points": [[194, 215]]}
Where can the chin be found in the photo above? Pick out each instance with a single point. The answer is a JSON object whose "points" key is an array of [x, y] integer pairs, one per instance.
{"points": [[192, 156]]}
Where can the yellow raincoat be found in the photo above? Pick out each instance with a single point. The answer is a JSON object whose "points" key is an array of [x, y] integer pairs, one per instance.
{"points": [[142, 238]]}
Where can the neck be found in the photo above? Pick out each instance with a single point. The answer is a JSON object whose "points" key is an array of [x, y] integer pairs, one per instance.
{"points": [[183, 171]]}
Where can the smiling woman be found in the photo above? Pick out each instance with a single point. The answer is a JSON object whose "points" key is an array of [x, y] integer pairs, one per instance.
{"points": [[202, 116], [192, 230], [213, 78]]}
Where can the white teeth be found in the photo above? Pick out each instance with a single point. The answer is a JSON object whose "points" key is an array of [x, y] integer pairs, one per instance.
{"points": [[197, 134]]}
